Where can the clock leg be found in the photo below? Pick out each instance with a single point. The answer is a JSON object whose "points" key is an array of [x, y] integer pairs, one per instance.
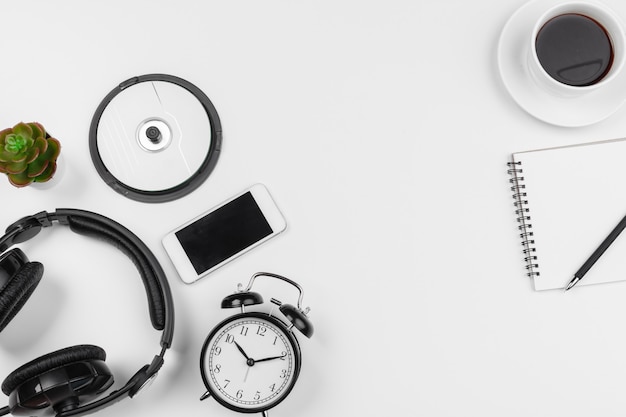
{"points": [[264, 413]]}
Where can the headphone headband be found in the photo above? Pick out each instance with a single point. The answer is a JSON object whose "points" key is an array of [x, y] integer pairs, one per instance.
{"points": [[158, 292]]}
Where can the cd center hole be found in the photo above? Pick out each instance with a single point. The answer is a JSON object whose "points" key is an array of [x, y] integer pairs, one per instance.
{"points": [[154, 134]]}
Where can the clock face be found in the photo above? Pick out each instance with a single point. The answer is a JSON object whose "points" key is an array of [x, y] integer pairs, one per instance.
{"points": [[250, 362]]}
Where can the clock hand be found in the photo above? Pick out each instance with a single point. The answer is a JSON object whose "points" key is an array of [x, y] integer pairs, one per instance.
{"points": [[246, 376], [269, 359], [249, 361], [242, 351]]}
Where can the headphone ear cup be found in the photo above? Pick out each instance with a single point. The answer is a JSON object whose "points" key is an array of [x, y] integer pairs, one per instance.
{"points": [[58, 379], [19, 286]]}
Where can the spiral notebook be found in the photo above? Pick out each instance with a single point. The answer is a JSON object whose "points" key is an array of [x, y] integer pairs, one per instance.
{"points": [[567, 200]]}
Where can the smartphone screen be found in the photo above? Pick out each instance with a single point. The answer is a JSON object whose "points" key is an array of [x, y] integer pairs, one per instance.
{"points": [[223, 233]]}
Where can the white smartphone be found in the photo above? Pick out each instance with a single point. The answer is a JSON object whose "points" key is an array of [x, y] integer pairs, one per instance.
{"points": [[221, 234]]}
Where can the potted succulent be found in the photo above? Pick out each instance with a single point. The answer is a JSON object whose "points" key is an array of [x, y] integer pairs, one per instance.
{"points": [[28, 154]]}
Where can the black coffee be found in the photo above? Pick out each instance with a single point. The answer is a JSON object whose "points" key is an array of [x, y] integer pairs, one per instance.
{"points": [[574, 49]]}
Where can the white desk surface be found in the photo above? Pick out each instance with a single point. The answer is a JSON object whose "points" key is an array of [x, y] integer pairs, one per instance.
{"points": [[382, 130]]}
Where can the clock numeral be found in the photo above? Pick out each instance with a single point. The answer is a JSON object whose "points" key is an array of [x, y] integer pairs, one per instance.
{"points": [[261, 331], [283, 355], [239, 394], [244, 331], [275, 339], [283, 374], [257, 396], [230, 338], [227, 381], [217, 350], [272, 387], [218, 368]]}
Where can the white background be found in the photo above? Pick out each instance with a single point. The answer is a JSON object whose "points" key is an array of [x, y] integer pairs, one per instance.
{"points": [[382, 129]]}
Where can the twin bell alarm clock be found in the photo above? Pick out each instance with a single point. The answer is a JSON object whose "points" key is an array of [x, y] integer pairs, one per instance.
{"points": [[250, 362]]}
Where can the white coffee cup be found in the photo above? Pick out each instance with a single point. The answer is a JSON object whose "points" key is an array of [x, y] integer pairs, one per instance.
{"points": [[612, 25]]}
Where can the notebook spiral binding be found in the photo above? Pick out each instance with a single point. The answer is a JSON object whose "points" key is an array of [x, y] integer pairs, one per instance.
{"points": [[523, 217]]}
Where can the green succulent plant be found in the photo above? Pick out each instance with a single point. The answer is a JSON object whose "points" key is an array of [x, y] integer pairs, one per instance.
{"points": [[28, 154]]}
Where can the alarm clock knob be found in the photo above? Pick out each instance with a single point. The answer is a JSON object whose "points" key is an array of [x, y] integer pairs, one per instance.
{"points": [[241, 299], [298, 318]]}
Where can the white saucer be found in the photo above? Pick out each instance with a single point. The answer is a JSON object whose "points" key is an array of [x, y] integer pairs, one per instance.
{"points": [[544, 105]]}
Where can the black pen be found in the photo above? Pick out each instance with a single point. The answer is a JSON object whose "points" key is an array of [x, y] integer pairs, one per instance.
{"points": [[597, 253]]}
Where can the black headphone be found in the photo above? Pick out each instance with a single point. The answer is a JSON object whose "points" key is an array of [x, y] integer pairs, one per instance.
{"points": [[57, 383]]}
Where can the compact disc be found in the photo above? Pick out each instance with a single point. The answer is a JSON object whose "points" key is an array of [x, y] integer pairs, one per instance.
{"points": [[155, 138]]}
